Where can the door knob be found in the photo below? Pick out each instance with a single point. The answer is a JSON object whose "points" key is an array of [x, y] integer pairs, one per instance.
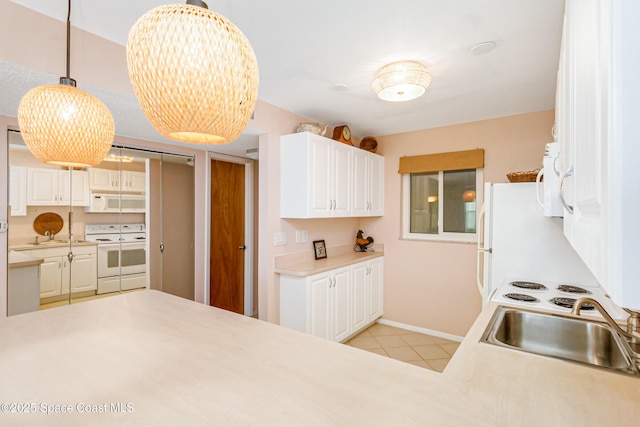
{"points": [[242, 247]]}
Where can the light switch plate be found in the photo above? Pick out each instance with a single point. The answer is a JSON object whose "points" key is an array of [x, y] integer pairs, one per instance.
{"points": [[280, 238]]}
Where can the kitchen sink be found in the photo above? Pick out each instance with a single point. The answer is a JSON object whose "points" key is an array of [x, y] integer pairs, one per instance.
{"points": [[580, 340], [56, 242]]}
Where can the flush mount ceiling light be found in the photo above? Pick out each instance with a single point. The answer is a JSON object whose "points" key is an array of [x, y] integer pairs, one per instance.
{"points": [[64, 125], [118, 158], [401, 81], [193, 72]]}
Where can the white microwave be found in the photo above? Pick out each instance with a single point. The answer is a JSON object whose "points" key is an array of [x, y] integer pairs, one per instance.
{"points": [[127, 203]]}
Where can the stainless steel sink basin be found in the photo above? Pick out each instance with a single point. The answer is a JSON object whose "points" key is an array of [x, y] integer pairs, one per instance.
{"points": [[584, 341]]}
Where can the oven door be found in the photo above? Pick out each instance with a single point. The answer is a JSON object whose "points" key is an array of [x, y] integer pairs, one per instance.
{"points": [[115, 259]]}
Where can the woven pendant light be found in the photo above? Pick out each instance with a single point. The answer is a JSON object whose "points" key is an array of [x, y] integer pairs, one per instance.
{"points": [[193, 72], [64, 125]]}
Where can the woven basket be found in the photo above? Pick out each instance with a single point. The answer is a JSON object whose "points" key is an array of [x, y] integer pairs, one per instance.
{"points": [[369, 143], [527, 176]]}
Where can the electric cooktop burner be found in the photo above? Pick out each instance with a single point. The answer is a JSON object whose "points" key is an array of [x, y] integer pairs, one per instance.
{"points": [[521, 297], [568, 303], [573, 289], [529, 285]]}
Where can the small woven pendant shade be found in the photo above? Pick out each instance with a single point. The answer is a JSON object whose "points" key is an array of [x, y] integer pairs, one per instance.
{"points": [[64, 125], [193, 72]]}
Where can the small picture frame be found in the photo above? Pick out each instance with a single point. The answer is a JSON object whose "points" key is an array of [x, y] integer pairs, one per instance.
{"points": [[319, 249]]}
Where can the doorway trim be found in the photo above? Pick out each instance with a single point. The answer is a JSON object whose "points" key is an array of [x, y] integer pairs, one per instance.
{"points": [[249, 213]]}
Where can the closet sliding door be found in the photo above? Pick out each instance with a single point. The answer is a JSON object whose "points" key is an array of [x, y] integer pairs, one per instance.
{"points": [[171, 224]]}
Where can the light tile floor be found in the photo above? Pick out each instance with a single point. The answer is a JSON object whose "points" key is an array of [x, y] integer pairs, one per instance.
{"points": [[418, 349]]}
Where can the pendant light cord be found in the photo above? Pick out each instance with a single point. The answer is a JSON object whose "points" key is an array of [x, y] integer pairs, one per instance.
{"points": [[67, 80], [68, 37]]}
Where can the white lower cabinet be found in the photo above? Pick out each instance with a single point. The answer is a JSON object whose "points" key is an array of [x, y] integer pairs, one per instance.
{"points": [[81, 273], [56, 273], [51, 277], [334, 304]]}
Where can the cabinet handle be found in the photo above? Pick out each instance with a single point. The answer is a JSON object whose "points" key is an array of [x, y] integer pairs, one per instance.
{"points": [[567, 174]]}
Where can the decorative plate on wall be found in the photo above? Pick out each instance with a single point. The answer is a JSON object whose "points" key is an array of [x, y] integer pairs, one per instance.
{"points": [[48, 222]]}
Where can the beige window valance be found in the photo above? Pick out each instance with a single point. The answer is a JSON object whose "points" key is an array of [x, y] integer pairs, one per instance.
{"points": [[455, 160]]}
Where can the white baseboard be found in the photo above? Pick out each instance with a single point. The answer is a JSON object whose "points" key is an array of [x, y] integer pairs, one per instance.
{"points": [[420, 330]]}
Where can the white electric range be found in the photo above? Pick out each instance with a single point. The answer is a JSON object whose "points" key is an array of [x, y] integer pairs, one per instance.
{"points": [[122, 260], [555, 296]]}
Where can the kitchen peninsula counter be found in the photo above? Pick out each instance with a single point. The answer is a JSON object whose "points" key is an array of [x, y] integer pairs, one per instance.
{"points": [[170, 361], [148, 358]]}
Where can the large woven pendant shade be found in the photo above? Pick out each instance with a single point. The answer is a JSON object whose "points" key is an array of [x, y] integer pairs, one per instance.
{"points": [[64, 125], [194, 73]]}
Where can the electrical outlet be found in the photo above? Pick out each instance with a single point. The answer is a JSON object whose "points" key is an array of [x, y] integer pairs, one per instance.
{"points": [[304, 236], [280, 238]]}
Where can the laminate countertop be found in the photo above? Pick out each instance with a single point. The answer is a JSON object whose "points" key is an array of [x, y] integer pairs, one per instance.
{"points": [[148, 358], [19, 260], [303, 264]]}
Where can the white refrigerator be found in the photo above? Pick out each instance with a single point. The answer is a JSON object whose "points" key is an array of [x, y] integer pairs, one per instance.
{"points": [[517, 242]]}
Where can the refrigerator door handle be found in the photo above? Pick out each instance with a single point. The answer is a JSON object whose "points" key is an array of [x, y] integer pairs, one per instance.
{"points": [[481, 249], [539, 196]]}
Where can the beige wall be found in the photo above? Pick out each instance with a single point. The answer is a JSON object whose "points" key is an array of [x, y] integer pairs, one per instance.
{"points": [[272, 122], [422, 279], [432, 285]]}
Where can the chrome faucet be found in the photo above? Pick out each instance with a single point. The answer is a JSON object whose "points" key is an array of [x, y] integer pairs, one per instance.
{"points": [[633, 321]]}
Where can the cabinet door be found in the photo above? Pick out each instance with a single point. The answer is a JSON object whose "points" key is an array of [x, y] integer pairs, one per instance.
{"points": [[78, 187], [360, 313], [18, 190], [134, 181], [103, 179], [375, 180], [341, 304], [360, 185], [84, 273], [51, 277], [374, 282], [588, 121], [319, 320], [321, 197], [341, 180], [42, 187]]}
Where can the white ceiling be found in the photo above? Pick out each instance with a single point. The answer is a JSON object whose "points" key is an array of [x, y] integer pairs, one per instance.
{"points": [[305, 49]]}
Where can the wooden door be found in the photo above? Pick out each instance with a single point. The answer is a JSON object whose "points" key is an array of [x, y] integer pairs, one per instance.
{"points": [[226, 259]]}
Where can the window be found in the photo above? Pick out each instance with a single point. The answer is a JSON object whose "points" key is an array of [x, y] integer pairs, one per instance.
{"points": [[440, 205]]}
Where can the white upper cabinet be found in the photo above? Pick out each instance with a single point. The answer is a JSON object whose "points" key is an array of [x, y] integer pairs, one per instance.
{"points": [[114, 180], [51, 187], [104, 179], [134, 181], [323, 178], [597, 105], [18, 190], [368, 184]]}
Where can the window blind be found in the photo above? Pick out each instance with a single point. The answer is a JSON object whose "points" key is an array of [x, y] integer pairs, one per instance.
{"points": [[455, 160]]}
